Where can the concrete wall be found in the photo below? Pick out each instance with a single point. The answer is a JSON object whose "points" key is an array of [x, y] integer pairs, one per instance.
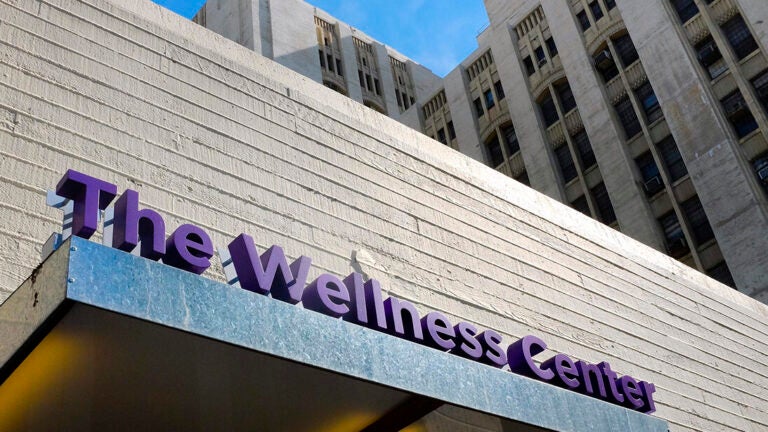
{"points": [[210, 133]]}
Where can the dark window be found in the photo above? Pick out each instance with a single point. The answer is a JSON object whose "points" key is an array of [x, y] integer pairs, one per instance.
{"points": [[672, 159], [739, 37], [399, 99], [541, 58], [710, 57], [604, 206], [760, 83], [322, 59], [628, 117], [584, 148], [339, 69], [648, 100], [327, 41], [549, 111], [510, 139], [529, 65], [583, 20], [451, 131], [605, 65], [499, 90], [365, 62], [412, 99], [489, 102], [581, 205], [551, 47], [478, 107], [494, 151], [360, 76], [610, 4], [686, 9], [523, 178], [376, 86], [441, 136], [565, 162], [694, 212], [625, 49], [738, 114], [368, 82], [567, 102], [760, 165], [330, 62], [405, 101], [721, 273], [652, 182], [673, 235], [597, 11]]}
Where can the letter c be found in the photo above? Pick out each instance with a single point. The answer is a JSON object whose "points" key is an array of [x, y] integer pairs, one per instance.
{"points": [[520, 355]]}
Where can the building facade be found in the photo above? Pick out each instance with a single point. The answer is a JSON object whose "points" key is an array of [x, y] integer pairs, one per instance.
{"points": [[660, 137], [209, 133]]}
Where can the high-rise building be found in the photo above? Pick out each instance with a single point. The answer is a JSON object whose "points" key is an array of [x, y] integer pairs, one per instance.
{"points": [[648, 116]]}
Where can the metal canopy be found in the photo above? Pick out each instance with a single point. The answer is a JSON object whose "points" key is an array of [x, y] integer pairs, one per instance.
{"points": [[110, 328]]}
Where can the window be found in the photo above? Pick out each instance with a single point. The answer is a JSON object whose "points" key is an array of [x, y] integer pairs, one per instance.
{"points": [[397, 95], [670, 154], [649, 171], [721, 273], [604, 206], [710, 57], [605, 65], [694, 212], [565, 162], [625, 49], [529, 65], [760, 83], [551, 47], [597, 11], [360, 76], [441, 136], [510, 139], [451, 131], [494, 151], [739, 37], [376, 86], [583, 20], [523, 178], [628, 117], [330, 62], [567, 102], [368, 82], [548, 111], [489, 102], [581, 205], [673, 235], [584, 148], [541, 58], [322, 59], [738, 114], [499, 90], [686, 9], [339, 69], [610, 4], [760, 164], [650, 104], [478, 107]]}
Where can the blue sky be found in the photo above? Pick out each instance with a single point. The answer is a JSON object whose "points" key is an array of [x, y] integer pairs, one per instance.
{"points": [[436, 33]]}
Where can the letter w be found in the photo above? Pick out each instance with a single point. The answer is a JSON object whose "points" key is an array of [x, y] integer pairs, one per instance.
{"points": [[270, 272]]}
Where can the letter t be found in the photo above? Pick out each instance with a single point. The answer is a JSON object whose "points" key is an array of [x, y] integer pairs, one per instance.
{"points": [[89, 195]]}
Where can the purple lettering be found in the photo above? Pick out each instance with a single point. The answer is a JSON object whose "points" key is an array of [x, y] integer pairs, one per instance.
{"points": [[492, 353], [189, 248], [521, 355], [565, 370], [367, 300], [584, 370], [269, 273], [89, 195], [610, 376], [394, 309], [469, 347], [439, 332], [632, 392], [132, 225], [649, 406], [328, 295]]}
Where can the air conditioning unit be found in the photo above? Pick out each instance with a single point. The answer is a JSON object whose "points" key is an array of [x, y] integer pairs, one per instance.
{"points": [[603, 60], [762, 174], [709, 54], [653, 184]]}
